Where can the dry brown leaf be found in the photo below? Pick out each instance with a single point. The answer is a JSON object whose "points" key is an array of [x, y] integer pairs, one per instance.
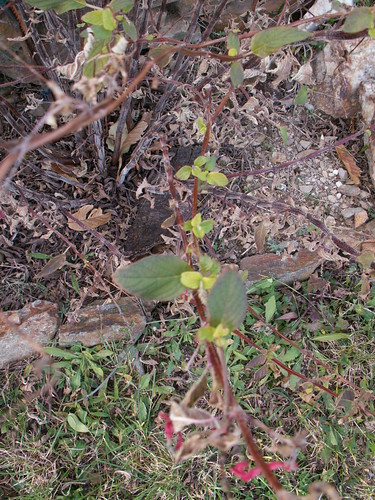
{"points": [[350, 164], [52, 265], [183, 416], [90, 216], [196, 391], [360, 218], [135, 135], [260, 236], [366, 258]]}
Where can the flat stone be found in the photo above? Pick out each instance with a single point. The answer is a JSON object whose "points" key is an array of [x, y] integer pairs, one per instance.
{"points": [[100, 323], [285, 269], [332, 199], [306, 189], [343, 174], [22, 332], [349, 190], [349, 212]]}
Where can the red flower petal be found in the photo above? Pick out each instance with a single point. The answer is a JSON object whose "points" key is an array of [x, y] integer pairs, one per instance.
{"points": [[168, 426], [238, 470]]}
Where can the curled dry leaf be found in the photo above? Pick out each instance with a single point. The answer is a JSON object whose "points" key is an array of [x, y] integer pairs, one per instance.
{"points": [[198, 441], [182, 416], [350, 164], [53, 265], [260, 236], [196, 391], [90, 216], [135, 135]]}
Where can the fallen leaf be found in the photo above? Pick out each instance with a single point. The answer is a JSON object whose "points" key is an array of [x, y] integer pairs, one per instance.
{"points": [[52, 265], [360, 218], [366, 258], [135, 135], [260, 236], [350, 164], [90, 216], [182, 416]]}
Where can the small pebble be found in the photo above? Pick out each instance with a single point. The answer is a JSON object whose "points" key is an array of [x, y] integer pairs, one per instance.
{"points": [[330, 221], [338, 196], [332, 198], [364, 194], [338, 184], [335, 172], [343, 174], [305, 144]]}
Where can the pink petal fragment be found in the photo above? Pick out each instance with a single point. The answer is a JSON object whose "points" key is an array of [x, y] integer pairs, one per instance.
{"points": [[180, 440], [168, 426], [239, 470]]}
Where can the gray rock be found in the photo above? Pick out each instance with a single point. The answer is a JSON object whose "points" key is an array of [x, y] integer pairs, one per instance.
{"points": [[306, 189], [343, 174], [349, 212], [103, 322], [349, 190], [23, 332]]}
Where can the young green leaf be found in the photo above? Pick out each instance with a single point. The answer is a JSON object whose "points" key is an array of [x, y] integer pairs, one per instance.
{"points": [[76, 424], [59, 353], [284, 134], [206, 333], [227, 301], [191, 279], [358, 20], [60, 6], [200, 161], [94, 17], [301, 97], [130, 30], [236, 73], [270, 308], [201, 125], [271, 40], [109, 22], [210, 164], [233, 44], [154, 278], [183, 173], [331, 337], [124, 6], [217, 179]]}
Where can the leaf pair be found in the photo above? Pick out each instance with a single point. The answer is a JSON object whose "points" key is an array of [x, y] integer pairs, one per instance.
{"points": [[158, 277]]}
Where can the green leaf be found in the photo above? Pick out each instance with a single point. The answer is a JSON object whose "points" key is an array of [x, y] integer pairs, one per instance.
{"points": [[201, 125], [60, 353], [191, 279], [284, 134], [270, 308], [60, 6], [76, 424], [130, 30], [198, 231], [371, 33], [233, 42], [124, 6], [302, 96], [206, 333], [227, 301], [207, 225], [100, 33], [200, 161], [271, 40], [109, 22], [197, 172], [154, 278], [75, 283], [183, 173], [358, 20], [291, 354], [38, 255], [331, 337], [210, 164], [236, 73], [94, 17], [217, 179]]}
